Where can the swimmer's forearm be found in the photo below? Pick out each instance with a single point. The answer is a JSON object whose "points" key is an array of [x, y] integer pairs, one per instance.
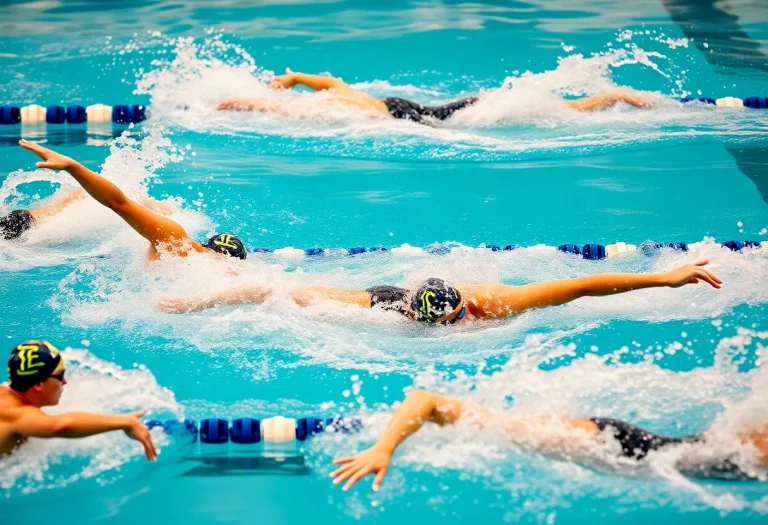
{"points": [[84, 424], [101, 189], [235, 296], [418, 408], [616, 283], [315, 82]]}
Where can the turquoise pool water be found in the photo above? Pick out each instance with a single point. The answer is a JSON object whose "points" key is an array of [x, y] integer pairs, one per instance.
{"points": [[518, 170]]}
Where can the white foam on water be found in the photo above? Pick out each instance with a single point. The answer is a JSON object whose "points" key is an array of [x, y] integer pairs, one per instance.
{"points": [[526, 114], [718, 400], [85, 229], [345, 336], [98, 386]]}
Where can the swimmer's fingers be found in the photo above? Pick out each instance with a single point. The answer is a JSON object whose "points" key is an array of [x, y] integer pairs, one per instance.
{"points": [[702, 262], [340, 461], [149, 446], [360, 474], [708, 277], [346, 472], [51, 159], [378, 479], [175, 306]]}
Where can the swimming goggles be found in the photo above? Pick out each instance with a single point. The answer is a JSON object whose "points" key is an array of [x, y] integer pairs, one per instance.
{"points": [[459, 316]]}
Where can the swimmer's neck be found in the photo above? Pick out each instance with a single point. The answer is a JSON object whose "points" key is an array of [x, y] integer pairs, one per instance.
{"points": [[22, 398]]}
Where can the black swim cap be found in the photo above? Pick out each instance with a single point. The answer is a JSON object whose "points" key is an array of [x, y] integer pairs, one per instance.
{"points": [[31, 363], [435, 298], [228, 244]]}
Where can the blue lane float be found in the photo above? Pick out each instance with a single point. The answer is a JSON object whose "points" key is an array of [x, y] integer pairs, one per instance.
{"points": [[73, 114], [589, 251], [250, 431]]}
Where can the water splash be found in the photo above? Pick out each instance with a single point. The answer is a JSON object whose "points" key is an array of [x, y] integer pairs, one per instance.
{"points": [[524, 116]]}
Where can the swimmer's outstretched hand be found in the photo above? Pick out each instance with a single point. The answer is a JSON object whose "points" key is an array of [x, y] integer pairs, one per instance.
{"points": [[51, 159], [138, 431], [375, 460], [691, 274], [237, 104], [180, 305], [286, 81]]}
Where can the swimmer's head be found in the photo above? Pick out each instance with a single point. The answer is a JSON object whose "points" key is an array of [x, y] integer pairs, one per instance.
{"points": [[37, 370], [228, 244], [435, 301]]}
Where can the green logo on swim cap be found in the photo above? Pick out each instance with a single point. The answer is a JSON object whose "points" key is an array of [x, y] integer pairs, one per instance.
{"points": [[426, 305]]}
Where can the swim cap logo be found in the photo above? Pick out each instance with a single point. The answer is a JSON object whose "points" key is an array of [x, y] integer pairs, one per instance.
{"points": [[27, 360], [426, 305], [226, 242]]}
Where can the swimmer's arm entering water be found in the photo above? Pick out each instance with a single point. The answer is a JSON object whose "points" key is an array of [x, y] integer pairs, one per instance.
{"points": [[50, 210], [302, 295], [498, 301], [422, 407], [150, 225], [604, 101], [417, 409], [33, 422]]}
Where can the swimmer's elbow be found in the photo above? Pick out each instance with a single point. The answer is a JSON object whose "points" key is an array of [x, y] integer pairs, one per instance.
{"points": [[118, 203], [61, 426], [420, 396], [426, 400]]}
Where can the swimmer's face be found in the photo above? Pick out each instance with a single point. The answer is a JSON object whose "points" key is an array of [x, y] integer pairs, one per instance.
{"points": [[51, 389]]}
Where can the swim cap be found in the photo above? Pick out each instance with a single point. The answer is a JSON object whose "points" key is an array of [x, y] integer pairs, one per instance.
{"points": [[228, 244], [435, 298], [31, 363]]}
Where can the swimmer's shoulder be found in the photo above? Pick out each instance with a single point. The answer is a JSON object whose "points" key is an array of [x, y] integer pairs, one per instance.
{"points": [[11, 408]]}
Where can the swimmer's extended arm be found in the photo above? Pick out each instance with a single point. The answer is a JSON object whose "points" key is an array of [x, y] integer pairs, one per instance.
{"points": [[496, 301], [150, 225], [599, 102], [315, 82], [418, 408], [233, 296], [301, 295], [32, 422], [49, 210]]}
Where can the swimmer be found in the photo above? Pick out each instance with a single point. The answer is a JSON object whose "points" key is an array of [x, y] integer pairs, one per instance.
{"points": [[437, 302], [13, 225], [393, 107], [164, 235], [36, 371], [561, 436]]}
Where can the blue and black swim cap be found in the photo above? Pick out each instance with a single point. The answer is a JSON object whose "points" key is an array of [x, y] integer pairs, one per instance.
{"points": [[32, 363], [434, 299], [228, 244]]}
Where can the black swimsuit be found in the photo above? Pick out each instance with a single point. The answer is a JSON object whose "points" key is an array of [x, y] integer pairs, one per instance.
{"points": [[636, 443], [390, 298], [409, 110], [15, 223]]}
